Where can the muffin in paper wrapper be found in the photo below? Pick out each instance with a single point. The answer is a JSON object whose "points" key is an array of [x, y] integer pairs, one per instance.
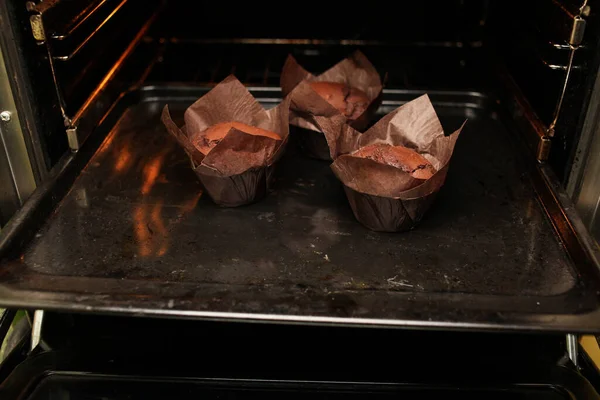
{"points": [[355, 71], [239, 169], [382, 197]]}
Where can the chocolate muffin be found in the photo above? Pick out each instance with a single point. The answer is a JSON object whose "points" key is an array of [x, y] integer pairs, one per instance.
{"points": [[349, 101], [399, 157], [206, 140]]}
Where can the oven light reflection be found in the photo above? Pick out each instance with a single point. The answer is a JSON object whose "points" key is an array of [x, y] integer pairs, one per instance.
{"points": [[142, 231], [123, 159], [161, 231], [150, 231], [151, 173], [189, 205], [106, 145]]}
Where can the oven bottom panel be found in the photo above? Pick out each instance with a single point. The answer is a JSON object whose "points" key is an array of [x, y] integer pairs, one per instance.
{"points": [[135, 235], [121, 388], [87, 356]]}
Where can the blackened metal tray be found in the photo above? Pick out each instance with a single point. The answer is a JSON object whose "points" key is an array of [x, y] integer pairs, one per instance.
{"points": [[131, 233]]}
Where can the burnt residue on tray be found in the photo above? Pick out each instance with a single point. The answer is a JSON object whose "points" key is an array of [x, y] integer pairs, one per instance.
{"points": [[136, 214]]}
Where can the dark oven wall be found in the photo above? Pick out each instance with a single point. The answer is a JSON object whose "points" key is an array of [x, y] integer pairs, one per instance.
{"points": [[419, 45], [406, 22]]}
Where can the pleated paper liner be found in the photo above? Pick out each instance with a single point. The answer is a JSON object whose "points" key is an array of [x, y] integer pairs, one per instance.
{"points": [[239, 169], [384, 214], [355, 71], [382, 197]]}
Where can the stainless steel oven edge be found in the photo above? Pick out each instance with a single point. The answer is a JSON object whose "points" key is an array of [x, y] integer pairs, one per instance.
{"points": [[17, 180]]}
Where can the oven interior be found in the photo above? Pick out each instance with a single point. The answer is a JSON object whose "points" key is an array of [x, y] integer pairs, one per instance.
{"points": [[89, 79]]}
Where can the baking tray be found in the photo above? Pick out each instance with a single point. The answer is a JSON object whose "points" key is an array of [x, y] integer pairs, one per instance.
{"points": [[500, 249]]}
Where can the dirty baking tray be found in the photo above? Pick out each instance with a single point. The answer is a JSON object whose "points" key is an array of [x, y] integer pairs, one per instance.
{"points": [[134, 235]]}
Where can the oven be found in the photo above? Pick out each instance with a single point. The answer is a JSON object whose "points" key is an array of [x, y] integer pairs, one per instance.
{"points": [[120, 279]]}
